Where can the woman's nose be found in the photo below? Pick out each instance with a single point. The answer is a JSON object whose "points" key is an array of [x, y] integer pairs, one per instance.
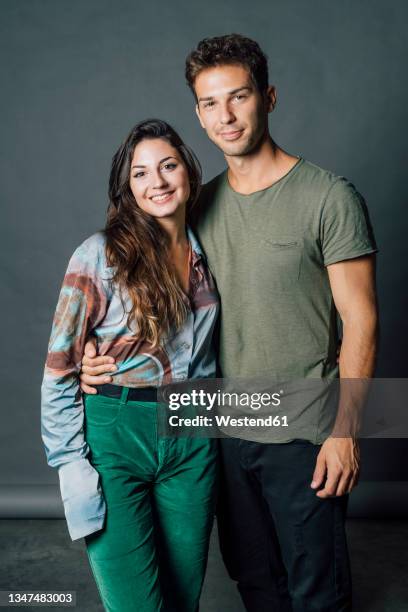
{"points": [[158, 181]]}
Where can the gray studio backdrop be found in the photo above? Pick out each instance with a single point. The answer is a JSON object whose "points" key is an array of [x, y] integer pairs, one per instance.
{"points": [[76, 75]]}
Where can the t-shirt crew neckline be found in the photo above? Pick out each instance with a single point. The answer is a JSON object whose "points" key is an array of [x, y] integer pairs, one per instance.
{"points": [[245, 196]]}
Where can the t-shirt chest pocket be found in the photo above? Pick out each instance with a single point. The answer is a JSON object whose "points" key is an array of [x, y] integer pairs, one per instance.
{"points": [[280, 261]]}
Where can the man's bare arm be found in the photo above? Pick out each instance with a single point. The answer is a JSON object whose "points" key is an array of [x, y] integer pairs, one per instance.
{"points": [[353, 287]]}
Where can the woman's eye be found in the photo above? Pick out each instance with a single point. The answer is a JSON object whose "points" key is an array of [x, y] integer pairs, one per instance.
{"points": [[138, 174], [170, 166], [240, 97]]}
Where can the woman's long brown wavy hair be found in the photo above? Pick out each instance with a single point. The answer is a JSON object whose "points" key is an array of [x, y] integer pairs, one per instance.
{"points": [[138, 248]]}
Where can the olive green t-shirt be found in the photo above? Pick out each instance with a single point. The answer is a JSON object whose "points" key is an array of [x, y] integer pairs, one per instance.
{"points": [[268, 252]]}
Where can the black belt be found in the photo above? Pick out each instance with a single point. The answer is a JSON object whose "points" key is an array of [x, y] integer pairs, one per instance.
{"points": [[140, 394]]}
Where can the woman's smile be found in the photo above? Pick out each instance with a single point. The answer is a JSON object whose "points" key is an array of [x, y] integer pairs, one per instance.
{"points": [[162, 198]]}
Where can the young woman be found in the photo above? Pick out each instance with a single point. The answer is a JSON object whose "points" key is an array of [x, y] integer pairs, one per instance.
{"points": [[144, 503]]}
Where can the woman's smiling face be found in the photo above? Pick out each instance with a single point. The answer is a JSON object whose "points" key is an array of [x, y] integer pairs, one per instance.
{"points": [[159, 179]]}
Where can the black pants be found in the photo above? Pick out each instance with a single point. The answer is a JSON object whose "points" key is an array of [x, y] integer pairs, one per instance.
{"points": [[285, 547]]}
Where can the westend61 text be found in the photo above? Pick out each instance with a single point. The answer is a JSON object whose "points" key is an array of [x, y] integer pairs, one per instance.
{"points": [[228, 421]]}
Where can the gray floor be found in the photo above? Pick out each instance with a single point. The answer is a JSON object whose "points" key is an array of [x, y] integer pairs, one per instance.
{"points": [[38, 554]]}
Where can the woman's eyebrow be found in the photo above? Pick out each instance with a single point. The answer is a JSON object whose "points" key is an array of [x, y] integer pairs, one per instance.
{"points": [[160, 162]]}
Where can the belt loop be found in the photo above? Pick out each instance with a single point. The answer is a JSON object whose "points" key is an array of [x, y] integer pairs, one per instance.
{"points": [[124, 395]]}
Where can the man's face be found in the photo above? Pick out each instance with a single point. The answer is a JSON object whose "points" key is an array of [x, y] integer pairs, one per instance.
{"points": [[231, 109]]}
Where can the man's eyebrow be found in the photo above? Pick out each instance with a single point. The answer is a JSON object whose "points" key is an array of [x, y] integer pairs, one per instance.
{"points": [[230, 93], [160, 162], [234, 91]]}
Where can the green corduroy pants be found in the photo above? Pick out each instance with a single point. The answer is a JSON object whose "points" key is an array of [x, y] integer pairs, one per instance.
{"points": [[160, 494]]}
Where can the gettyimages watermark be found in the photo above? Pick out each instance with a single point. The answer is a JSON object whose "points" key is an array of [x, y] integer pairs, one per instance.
{"points": [[262, 410], [215, 401], [209, 400]]}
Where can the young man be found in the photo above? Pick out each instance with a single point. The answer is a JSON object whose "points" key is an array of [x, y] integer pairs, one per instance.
{"points": [[290, 246]]}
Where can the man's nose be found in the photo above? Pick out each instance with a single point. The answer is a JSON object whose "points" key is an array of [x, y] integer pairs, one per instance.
{"points": [[226, 115]]}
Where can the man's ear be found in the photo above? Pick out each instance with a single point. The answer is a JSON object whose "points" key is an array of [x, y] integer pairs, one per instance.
{"points": [[197, 110], [270, 97]]}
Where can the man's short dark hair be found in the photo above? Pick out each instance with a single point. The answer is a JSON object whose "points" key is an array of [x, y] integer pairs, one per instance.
{"points": [[228, 49]]}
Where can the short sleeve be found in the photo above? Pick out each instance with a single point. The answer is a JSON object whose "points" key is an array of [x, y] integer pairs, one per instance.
{"points": [[345, 227]]}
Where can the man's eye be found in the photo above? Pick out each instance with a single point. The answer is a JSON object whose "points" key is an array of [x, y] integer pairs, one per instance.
{"points": [[240, 97], [208, 104]]}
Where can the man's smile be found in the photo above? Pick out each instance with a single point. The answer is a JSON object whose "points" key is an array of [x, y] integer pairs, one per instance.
{"points": [[231, 134]]}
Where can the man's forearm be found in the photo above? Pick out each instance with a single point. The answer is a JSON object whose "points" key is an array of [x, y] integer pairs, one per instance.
{"points": [[357, 365], [353, 287], [359, 347]]}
